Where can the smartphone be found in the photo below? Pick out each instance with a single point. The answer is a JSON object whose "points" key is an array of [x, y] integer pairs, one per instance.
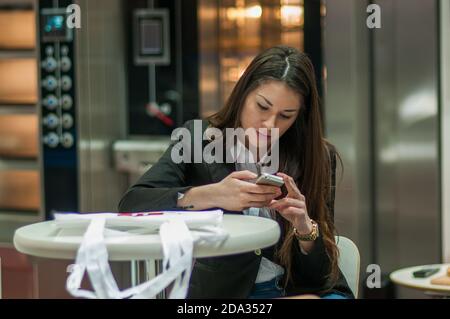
{"points": [[424, 273], [268, 179]]}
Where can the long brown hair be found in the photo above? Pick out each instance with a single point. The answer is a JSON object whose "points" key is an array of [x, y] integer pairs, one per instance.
{"points": [[304, 153]]}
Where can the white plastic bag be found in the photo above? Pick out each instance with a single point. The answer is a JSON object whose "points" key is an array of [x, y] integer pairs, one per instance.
{"points": [[179, 231]]}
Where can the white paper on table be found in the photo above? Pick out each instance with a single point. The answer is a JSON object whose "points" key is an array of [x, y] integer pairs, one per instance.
{"points": [[178, 230]]}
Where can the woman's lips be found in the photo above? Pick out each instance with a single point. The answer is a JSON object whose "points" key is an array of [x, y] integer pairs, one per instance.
{"points": [[264, 135]]}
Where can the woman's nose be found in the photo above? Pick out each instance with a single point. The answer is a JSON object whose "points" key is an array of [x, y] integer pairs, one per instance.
{"points": [[269, 123]]}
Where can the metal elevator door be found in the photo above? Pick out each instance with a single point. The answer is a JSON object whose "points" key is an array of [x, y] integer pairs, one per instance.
{"points": [[382, 112], [406, 83]]}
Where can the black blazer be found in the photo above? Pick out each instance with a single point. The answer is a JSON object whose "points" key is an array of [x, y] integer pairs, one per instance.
{"points": [[227, 276]]}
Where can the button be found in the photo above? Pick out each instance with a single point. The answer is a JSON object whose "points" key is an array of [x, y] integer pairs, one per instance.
{"points": [[50, 102], [66, 83], [64, 50], [51, 140], [50, 83], [49, 64], [66, 64], [67, 121], [67, 102], [49, 50], [67, 140], [51, 121], [258, 252]]}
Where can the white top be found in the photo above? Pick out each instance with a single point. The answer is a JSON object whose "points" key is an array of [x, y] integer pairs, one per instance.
{"points": [[404, 277], [267, 269], [246, 233]]}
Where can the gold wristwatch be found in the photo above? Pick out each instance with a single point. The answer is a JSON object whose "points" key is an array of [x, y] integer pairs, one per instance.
{"points": [[309, 237]]}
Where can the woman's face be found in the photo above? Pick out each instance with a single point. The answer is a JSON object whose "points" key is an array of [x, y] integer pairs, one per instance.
{"points": [[273, 104]]}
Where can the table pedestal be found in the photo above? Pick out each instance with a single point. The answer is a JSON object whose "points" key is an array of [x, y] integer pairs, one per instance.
{"points": [[145, 270]]}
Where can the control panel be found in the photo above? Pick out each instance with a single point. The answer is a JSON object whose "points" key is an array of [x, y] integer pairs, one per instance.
{"points": [[57, 79], [58, 106]]}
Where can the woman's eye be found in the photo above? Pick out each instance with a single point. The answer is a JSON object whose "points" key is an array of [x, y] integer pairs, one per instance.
{"points": [[285, 116], [262, 107]]}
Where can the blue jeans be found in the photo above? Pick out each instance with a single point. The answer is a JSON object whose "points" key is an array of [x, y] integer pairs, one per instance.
{"points": [[268, 289], [334, 295], [273, 289]]}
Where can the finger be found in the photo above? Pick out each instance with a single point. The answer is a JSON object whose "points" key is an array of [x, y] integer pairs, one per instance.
{"points": [[276, 202], [291, 213], [263, 189], [287, 214], [291, 187], [261, 197], [243, 175], [277, 206], [250, 199], [290, 184], [287, 201], [259, 204]]}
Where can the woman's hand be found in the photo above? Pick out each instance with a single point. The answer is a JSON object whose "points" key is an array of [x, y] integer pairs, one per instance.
{"points": [[293, 207], [236, 193]]}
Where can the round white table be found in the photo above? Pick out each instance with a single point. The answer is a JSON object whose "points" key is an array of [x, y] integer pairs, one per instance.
{"points": [[246, 233], [404, 277]]}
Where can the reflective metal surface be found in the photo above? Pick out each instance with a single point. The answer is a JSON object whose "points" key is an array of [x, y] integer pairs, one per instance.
{"points": [[382, 114], [101, 109], [346, 45], [445, 128], [407, 136]]}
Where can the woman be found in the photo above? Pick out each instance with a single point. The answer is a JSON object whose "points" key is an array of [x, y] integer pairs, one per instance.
{"points": [[277, 91]]}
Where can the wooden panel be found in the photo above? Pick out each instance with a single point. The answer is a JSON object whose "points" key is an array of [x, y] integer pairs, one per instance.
{"points": [[18, 81], [18, 30], [19, 190], [19, 136]]}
